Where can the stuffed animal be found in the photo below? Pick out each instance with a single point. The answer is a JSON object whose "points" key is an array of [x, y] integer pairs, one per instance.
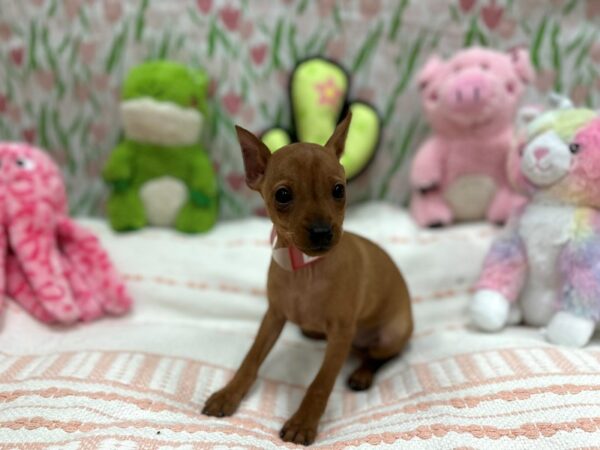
{"points": [[318, 97], [51, 266], [159, 173], [471, 101], [545, 267]]}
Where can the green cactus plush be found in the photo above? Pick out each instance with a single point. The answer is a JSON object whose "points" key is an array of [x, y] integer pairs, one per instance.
{"points": [[159, 173], [318, 96]]}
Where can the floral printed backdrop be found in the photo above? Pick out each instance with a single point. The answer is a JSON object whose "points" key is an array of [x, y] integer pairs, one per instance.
{"points": [[62, 63]]}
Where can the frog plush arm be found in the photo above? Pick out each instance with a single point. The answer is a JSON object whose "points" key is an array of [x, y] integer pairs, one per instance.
{"points": [[124, 208], [579, 267], [500, 283], [201, 210], [117, 170]]}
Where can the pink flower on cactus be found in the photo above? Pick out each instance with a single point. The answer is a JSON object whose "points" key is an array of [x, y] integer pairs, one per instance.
{"points": [[492, 14], [16, 56], [230, 17], [5, 31], [329, 92], [466, 5], [232, 102], [204, 5], [113, 10], [29, 135], [258, 54]]}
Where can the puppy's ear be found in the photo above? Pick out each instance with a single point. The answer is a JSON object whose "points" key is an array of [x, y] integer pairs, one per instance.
{"points": [[338, 139], [256, 156]]}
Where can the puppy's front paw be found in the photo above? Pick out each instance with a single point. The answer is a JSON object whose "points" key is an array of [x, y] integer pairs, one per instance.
{"points": [[360, 380], [299, 430], [222, 403]]}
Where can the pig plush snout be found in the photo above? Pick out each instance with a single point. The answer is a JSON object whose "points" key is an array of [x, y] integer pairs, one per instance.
{"points": [[468, 91]]}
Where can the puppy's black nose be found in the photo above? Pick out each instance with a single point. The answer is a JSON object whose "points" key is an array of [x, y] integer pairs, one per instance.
{"points": [[320, 234]]}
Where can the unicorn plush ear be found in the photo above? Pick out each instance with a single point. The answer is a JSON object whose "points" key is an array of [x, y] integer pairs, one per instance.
{"points": [[560, 101], [527, 114]]}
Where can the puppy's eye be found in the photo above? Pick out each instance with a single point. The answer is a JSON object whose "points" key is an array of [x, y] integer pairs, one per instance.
{"points": [[25, 164], [574, 147], [339, 191], [283, 196]]}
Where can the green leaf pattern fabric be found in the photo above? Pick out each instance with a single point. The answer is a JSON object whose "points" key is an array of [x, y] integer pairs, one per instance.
{"points": [[62, 63]]}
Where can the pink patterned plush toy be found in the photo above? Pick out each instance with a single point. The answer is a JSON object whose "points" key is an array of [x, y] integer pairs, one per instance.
{"points": [[459, 173], [54, 268], [545, 267]]}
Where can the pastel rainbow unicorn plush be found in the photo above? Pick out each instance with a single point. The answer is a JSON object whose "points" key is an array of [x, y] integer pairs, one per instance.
{"points": [[545, 267]]}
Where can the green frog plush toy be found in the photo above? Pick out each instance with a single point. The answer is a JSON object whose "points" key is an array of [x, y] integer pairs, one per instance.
{"points": [[159, 173]]}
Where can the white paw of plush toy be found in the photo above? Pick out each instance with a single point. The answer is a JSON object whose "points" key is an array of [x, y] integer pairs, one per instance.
{"points": [[545, 267]]}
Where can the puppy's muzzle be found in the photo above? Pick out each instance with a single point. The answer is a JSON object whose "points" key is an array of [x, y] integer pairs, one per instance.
{"points": [[320, 235]]}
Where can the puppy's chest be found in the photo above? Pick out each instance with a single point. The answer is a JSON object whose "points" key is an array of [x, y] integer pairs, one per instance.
{"points": [[304, 299]]}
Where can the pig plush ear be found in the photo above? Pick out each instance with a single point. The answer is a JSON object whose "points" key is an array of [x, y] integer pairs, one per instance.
{"points": [[522, 63], [433, 64], [256, 156]]}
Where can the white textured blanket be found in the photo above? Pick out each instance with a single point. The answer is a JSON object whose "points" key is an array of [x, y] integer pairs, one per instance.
{"points": [[139, 382]]}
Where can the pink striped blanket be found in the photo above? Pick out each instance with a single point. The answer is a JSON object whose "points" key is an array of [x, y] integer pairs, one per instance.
{"points": [[138, 382]]}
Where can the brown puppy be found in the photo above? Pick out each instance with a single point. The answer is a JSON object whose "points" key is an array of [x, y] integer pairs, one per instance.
{"points": [[345, 287]]}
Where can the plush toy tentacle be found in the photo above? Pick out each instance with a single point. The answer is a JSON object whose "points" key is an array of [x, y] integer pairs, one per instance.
{"points": [[88, 301], [36, 251], [92, 267], [18, 288]]}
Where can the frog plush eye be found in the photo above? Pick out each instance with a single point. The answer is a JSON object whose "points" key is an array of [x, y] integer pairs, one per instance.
{"points": [[24, 163]]}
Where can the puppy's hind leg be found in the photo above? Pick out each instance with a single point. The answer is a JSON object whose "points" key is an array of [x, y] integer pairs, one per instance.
{"points": [[392, 340]]}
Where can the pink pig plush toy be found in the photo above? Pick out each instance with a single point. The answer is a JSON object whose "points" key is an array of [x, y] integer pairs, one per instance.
{"points": [[545, 267], [471, 100], [55, 269]]}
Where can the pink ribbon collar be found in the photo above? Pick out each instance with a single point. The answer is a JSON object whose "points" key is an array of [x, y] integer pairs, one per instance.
{"points": [[290, 258]]}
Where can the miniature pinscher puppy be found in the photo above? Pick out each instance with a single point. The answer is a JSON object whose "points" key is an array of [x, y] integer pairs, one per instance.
{"points": [[329, 282]]}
